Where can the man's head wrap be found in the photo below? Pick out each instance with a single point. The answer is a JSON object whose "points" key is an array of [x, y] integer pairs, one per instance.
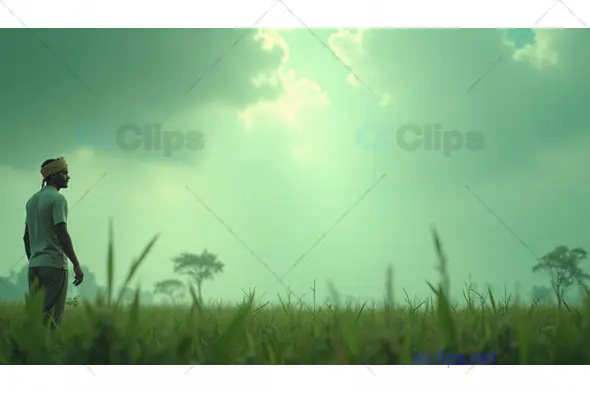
{"points": [[53, 167]]}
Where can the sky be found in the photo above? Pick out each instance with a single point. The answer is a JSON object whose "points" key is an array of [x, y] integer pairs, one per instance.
{"points": [[280, 114]]}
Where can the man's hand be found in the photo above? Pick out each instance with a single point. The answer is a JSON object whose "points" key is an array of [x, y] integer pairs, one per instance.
{"points": [[27, 242], [79, 275]]}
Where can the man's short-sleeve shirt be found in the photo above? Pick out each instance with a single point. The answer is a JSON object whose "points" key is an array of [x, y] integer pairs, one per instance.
{"points": [[45, 209]]}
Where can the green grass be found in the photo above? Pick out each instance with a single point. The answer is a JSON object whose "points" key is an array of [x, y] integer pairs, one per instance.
{"points": [[109, 332]]}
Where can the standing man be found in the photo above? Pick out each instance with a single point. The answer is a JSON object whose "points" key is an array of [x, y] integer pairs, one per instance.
{"points": [[47, 242]]}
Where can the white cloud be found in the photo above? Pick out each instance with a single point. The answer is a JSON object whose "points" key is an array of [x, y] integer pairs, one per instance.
{"points": [[299, 95], [540, 55], [348, 45]]}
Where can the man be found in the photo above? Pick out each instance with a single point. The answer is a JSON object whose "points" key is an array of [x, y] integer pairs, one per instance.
{"points": [[48, 243]]}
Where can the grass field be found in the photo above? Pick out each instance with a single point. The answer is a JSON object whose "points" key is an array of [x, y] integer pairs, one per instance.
{"points": [[109, 332]]}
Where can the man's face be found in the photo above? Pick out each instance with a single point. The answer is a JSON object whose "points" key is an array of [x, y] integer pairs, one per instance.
{"points": [[62, 178]]}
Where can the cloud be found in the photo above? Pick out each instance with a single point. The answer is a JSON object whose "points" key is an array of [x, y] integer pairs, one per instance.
{"points": [[139, 76], [540, 54], [349, 46], [298, 95]]}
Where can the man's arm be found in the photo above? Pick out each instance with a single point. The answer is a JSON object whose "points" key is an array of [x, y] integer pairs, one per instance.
{"points": [[65, 241], [27, 242], [60, 217]]}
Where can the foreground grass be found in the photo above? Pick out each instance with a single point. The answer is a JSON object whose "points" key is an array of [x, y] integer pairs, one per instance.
{"points": [[109, 332], [292, 335]]}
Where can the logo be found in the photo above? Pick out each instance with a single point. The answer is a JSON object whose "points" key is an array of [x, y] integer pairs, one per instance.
{"points": [[412, 137], [133, 137]]}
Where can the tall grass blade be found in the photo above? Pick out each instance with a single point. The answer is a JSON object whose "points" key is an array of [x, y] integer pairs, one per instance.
{"points": [[110, 264], [135, 267], [232, 337]]}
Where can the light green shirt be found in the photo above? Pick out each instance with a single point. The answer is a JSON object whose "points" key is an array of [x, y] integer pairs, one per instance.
{"points": [[45, 209]]}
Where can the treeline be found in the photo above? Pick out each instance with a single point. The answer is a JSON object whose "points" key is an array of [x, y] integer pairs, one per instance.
{"points": [[15, 286]]}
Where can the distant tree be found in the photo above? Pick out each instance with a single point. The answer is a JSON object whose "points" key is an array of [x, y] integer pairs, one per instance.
{"points": [[172, 288], [89, 289], [146, 297], [20, 278], [128, 294], [16, 285], [8, 290], [541, 294], [199, 267], [563, 266]]}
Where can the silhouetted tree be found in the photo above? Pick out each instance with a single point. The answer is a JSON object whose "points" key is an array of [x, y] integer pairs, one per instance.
{"points": [[563, 266], [146, 297], [8, 289], [20, 278], [541, 294], [199, 267], [128, 294], [89, 289], [16, 286], [172, 288]]}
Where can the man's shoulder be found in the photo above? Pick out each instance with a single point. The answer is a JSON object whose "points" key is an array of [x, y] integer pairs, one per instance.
{"points": [[33, 197], [47, 196], [59, 196], [53, 194]]}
